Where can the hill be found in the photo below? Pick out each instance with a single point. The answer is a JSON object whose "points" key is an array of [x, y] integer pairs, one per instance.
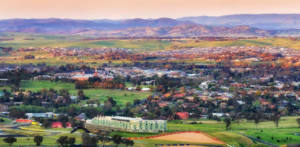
{"points": [[191, 30], [261, 21], [58, 26], [243, 24]]}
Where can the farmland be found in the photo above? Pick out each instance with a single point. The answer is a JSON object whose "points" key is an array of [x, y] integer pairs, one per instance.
{"points": [[120, 96], [142, 46], [42, 40]]}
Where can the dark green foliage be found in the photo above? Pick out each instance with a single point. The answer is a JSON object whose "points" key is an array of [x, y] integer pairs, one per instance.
{"points": [[10, 140], [38, 140], [117, 139]]}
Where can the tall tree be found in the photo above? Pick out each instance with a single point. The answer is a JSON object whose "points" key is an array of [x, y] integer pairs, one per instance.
{"points": [[117, 139], [256, 120], [38, 140], [63, 141], [10, 140], [228, 123], [103, 138], [71, 140], [275, 118], [89, 141]]}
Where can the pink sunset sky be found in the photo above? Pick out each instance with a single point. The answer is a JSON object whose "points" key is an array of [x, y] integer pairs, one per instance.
{"points": [[123, 9]]}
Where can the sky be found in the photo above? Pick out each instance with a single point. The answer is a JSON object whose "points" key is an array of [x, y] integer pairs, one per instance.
{"points": [[125, 9]]}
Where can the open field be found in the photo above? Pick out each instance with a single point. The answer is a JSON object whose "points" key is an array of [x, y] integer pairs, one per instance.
{"points": [[287, 127], [49, 138], [6, 121], [101, 94], [188, 137], [42, 40], [233, 139], [4, 87]]}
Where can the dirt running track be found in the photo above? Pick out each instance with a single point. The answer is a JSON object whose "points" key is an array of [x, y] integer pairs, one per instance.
{"points": [[189, 137]]}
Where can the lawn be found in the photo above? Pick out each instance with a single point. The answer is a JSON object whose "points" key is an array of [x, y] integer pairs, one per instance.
{"points": [[24, 132], [4, 87], [288, 124], [287, 128], [6, 121], [121, 96], [49, 138], [233, 139]]}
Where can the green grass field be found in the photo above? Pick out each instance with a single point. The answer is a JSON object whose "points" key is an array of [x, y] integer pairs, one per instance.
{"points": [[6, 121], [49, 138], [42, 40], [287, 128], [101, 94]]}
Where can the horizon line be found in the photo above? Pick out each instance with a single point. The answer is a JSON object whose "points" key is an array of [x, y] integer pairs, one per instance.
{"points": [[159, 17]]}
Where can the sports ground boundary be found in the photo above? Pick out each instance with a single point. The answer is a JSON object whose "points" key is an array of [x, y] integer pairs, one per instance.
{"points": [[155, 136]]}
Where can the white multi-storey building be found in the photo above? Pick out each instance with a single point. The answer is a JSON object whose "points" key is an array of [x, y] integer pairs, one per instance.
{"points": [[126, 124]]}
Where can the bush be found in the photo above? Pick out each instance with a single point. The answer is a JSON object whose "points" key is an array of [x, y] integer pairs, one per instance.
{"points": [[258, 137], [125, 94], [10, 140], [272, 138], [38, 140], [261, 131], [278, 140], [194, 123]]}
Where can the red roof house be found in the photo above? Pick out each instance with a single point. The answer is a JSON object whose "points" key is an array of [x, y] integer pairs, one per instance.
{"points": [[182, 115], [59, 125], [177, 96]]}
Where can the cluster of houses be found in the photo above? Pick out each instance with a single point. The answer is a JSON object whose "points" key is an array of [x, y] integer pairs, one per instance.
{"points": [[253, 53]]}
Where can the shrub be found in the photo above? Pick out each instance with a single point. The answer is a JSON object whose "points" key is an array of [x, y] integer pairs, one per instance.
{"points": [[272, 138], [258, 137], [278, 140], [38, 140], [10, 140], [261, 131], [125, 94]]}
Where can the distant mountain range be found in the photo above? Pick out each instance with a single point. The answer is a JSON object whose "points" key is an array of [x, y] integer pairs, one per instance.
{"points": [[261, 21], [242, 24], [54, 25], [191, 31]]}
